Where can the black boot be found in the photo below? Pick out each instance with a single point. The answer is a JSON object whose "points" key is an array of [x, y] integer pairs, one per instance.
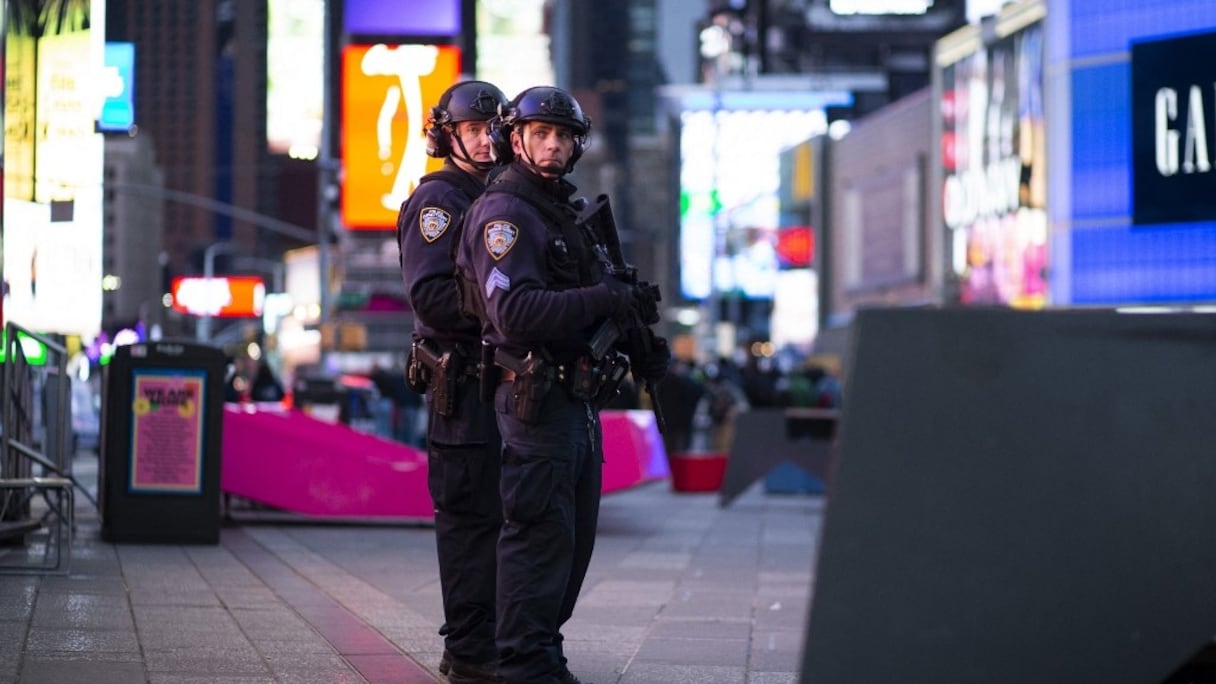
{"points": [[464, 672]]}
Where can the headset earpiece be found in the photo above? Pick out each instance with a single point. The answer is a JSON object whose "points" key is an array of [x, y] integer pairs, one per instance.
{"points": [[438, 139], [500, 140]]}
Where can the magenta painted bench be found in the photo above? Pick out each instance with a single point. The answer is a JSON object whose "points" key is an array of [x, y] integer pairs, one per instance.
{"points": [[293, 462]]}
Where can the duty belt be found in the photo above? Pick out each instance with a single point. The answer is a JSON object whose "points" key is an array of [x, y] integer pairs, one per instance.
{"points": [[584, 378]]}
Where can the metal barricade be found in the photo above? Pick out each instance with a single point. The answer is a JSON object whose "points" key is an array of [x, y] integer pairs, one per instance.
{"points": [[37, 502]]}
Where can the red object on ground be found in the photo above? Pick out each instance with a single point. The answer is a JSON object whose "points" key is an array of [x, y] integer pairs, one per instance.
{"points": [[697, 472]]}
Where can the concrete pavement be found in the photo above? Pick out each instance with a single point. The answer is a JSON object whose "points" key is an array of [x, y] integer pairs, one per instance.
{"points": [[679, 590]]}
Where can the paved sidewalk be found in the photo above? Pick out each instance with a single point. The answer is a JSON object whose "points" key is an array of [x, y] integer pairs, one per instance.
{"points": [[679, 590]]}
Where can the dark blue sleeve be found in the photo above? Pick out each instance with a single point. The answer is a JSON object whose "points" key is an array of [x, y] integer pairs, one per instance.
{"points": [[426, 226], [506, 243]]}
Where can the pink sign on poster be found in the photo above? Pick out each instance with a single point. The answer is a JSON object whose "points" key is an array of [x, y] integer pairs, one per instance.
{"points": [[167, 432]]}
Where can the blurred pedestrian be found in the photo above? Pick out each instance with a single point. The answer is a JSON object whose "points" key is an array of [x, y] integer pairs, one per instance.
{"points": [[544, 293], [680, 394], [265, 386], [463, 444]]}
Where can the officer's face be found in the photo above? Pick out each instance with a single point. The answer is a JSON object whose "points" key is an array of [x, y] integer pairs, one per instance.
{"points": [[474, 135], [548, 146]]}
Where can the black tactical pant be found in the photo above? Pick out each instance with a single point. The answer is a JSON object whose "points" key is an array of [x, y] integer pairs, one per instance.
{"points": [[464, 460], [551, 486]]}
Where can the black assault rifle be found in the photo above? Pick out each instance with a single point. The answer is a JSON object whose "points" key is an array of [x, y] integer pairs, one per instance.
{"points": [[639, 339]]}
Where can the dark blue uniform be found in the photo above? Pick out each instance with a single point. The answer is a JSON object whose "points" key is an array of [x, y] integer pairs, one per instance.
{"points": [[543, 291], [463, 448]]}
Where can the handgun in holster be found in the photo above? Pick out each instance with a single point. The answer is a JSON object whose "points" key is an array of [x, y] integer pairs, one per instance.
{"points": [[417, 375], [444, 368], [533, 380]]}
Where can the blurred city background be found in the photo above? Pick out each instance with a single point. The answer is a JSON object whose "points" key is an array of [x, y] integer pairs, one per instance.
{"points": [[230, 172]]}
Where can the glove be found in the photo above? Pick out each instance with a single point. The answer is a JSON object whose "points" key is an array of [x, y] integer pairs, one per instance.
{"points": [[653, 366], [647, 303], [615, 298]]}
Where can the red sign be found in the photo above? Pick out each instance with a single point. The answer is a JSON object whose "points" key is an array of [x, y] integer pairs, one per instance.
{"points": [[796, 246], [228, 297]]}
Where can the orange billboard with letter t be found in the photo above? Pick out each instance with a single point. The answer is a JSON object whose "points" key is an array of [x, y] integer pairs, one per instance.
{"points": [[387, 92]]}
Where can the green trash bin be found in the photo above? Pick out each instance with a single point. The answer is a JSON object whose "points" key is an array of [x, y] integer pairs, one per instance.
{"points": [[162, 418]]}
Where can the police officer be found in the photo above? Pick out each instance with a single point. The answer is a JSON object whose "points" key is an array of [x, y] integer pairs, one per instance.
{"points": [[544, 294], [463, 444]]}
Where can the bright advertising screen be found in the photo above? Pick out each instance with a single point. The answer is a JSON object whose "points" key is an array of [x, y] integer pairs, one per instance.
{"points": [[515, 28], [387, 91], [118, 88], [224, 297], [53, 176], [412, 18], [1111, 72], [730, 178], [295, 54], [994, 159]]}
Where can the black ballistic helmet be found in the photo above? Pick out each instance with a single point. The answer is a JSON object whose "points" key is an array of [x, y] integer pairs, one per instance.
{"points": [[464, 101], [540, 103]]}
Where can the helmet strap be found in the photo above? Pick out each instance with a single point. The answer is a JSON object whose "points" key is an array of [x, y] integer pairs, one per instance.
{"points": [[464, 155], [531, 163]]}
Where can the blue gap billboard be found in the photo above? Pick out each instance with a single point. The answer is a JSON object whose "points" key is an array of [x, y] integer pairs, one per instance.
{"points": [[1135, 235]]}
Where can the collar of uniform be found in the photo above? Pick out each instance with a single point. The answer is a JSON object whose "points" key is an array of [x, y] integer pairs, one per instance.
{"points": [[449, 165], [559, 189]]}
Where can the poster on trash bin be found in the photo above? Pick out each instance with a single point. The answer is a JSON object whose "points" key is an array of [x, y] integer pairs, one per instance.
{"points": [[167, 431]]}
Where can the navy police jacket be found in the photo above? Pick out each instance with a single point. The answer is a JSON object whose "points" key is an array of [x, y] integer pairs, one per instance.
{"points": [[427, 224], [539, 280]]}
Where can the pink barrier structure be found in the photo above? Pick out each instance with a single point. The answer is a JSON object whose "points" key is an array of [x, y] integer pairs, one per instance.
{"points": [[633, 450], [293, 462]]}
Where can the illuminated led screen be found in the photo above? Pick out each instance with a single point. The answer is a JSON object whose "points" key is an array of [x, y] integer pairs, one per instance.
{"points": [[1112, 261], [118, 84], [413, 18], [387, 91], [294, 56], [730, 177], [53, 175], [994, 163]]}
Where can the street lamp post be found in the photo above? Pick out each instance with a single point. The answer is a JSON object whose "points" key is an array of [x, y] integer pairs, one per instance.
{"points": [[203, 329]]}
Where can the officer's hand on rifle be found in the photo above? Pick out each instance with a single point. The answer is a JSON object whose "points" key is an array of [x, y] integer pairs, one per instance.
{"points": [[648, 302], [653, 366], [615, 298]]}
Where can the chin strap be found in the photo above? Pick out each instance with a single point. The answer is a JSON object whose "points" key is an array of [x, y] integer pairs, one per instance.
{"points": [[540, 170], [466, 158]]}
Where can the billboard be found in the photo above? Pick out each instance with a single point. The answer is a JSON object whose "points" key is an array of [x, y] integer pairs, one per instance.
{"points": [[515, 28], [295, 54], [415, 18], [1173, 102], [53, 171], [387, 91], [994, 160], [730, 212], [1120, 247], [223, 297], [118, 89]]}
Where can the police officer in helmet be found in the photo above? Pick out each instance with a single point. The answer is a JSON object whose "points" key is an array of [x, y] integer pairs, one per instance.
{"points": [[463, 444], [544, 293]]}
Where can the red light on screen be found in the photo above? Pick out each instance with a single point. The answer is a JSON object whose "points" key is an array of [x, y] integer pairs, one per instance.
{"points": [[796, 246]]}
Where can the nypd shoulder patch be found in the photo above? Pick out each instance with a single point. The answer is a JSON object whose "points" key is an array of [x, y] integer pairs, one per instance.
{"points": [[500, 238], [433, 222]]}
